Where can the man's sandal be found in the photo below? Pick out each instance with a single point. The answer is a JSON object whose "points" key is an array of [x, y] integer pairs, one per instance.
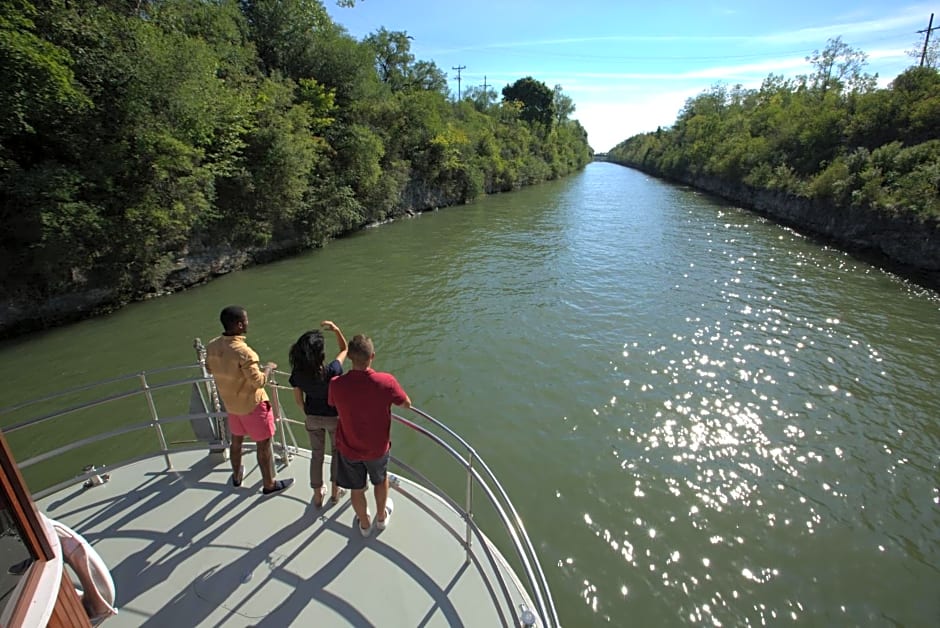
{"points": [[279, 485]]}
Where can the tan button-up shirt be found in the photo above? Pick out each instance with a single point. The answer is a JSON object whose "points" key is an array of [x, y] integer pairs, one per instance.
{"points": [[238, 375]]}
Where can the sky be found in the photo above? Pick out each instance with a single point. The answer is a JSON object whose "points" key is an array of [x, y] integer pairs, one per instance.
{"points": [[629, 66]]}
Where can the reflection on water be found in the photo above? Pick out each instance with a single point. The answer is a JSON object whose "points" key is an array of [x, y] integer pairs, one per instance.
{"points": [[775, 439], [703, 417]]}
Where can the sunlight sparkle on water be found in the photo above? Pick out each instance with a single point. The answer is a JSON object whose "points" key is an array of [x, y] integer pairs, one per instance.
{"points": [[589, 593], [728, 415]]}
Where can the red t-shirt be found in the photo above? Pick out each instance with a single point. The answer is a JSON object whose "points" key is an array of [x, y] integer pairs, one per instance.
{"points": [[364, 401]]}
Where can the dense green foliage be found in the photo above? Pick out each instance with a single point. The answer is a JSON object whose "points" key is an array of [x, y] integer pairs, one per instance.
{"points": [[536, 101], [831, 136], [132, 133]]}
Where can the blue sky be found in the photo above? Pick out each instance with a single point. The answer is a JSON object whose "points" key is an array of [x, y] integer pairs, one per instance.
{"points": [[629, 67]]}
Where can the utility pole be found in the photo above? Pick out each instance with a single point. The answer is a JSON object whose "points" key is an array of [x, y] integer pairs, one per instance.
{"points": [[486, 94], [930, 27], [459, 68]]}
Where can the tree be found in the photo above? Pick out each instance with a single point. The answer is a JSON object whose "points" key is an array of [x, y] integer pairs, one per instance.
{"points": [[917, 96], [392, 51], [480, 97], [839, 66], [36, 74], [135, 132], [396, 66], [564, 105], [283, 33], [931, 55], [537, 100], [426, 75]]}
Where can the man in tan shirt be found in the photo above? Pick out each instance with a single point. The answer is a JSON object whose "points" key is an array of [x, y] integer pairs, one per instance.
{"points": [[240, 382]]}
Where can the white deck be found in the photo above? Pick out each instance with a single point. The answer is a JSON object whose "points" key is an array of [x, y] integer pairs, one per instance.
{"points": [[186, 548]]}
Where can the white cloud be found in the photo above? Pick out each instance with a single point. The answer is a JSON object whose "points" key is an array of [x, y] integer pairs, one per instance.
{"points": [[908, 18]]}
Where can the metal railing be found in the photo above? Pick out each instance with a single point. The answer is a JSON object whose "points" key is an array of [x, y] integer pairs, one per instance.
{"points": [[478, 474], [143, 385]]}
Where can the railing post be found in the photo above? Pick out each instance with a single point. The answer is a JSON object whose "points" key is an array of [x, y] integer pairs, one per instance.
{"points": [[469, 504], [221, 425], [156, 418], [279, 414]]}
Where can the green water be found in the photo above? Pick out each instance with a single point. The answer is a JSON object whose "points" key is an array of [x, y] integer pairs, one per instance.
{"points": [[702, 417]]}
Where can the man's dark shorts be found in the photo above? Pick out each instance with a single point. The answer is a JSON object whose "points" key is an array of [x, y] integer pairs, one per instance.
{"points": [[352, 474]]}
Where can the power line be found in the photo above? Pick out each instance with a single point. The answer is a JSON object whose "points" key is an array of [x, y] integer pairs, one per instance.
{"points": [[458, 68]]}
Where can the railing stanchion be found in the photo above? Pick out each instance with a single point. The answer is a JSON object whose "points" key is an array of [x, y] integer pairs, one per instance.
{"points": [[156, 419], [221, 424], [469, 505], [278, 412]]}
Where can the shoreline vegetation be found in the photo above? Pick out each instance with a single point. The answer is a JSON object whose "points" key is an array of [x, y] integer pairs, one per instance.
{"points": [[828, 153], [148, 147]]}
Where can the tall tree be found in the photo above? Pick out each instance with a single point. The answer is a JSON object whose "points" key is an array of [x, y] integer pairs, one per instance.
{"points": [[393, 56], [931, 55], [396, 66], [536, 99], [283, 33], [564, 105], [839, 66]]}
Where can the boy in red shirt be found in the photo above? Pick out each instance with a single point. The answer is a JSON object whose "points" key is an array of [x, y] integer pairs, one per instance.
{"points": [[363, 398]]}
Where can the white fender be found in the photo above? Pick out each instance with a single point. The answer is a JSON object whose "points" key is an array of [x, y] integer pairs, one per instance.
{"points": [[98, 593]]}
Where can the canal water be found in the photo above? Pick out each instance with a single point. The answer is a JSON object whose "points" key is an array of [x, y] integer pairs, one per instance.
{"points": [[703, 418]]}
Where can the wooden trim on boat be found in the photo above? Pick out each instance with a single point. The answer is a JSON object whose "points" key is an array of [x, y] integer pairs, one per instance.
{"points": [[68, 611], [21, 505], [24, 595]]}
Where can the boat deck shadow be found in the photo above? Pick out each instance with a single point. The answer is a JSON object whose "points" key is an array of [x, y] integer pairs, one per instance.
{"points": [[186, 548]]}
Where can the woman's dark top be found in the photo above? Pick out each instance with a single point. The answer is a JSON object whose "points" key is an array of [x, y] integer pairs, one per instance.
{"points": [[316, 389]]}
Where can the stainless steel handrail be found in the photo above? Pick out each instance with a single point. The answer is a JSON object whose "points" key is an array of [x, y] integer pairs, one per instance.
{"points": [[497, 496], [77, 389], [504, 508], [140, 377], [476, 469]]}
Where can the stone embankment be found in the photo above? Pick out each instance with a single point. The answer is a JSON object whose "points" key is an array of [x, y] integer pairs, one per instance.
{"points": [[900, 243], [21, 314]]}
